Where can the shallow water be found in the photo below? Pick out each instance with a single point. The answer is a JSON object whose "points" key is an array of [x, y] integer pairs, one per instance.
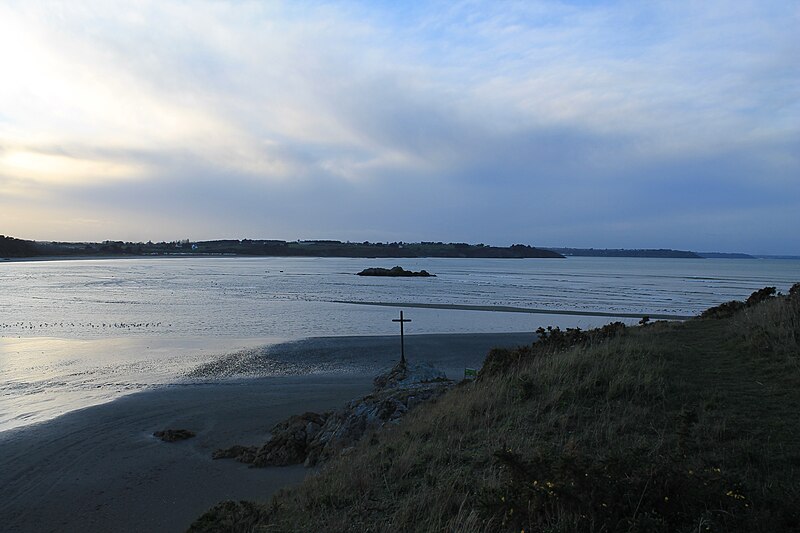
{"points": [[297, 297], [75, 333]]}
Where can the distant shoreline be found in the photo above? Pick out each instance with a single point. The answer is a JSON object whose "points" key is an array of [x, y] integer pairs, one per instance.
{"points": [[12, 247], [232, 255], [101, 257]]}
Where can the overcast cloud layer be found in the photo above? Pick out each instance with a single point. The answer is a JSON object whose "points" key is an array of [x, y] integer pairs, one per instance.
{"points": [[603, 124]]}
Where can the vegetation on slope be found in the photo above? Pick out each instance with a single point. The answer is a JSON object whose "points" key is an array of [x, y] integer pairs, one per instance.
{"points": [[11, 247], [665, 427], [279, 248]]}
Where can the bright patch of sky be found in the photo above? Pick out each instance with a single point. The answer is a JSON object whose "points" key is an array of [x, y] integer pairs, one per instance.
{"points": [[603, 124]]}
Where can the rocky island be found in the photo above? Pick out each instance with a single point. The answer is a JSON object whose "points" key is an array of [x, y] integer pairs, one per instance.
{"points": [[395, 272]]}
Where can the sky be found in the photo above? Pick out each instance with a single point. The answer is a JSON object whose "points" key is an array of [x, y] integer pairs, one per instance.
{"points": [[573, 123]]}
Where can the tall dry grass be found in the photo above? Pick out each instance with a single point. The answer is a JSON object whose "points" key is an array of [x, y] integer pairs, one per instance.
{"points": [[667, 427]]}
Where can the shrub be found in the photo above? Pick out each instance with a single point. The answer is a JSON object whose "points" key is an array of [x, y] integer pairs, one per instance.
{"points": [[725, 310], [759, 296], [728, 309], [551, 340], [627, 492], [794, 292]]}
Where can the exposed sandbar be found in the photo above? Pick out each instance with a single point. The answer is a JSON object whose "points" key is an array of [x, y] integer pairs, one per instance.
{"points": [[512, 309]]}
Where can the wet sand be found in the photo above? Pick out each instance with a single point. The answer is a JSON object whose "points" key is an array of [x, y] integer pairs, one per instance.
{"points": [[526, 310], [100, 468]]}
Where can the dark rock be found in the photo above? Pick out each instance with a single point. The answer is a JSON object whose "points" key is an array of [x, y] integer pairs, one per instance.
{"points": [[290, 440], [243, 454], [397, 272], [311, 437], [345, 427], [287, 445], [172, 435], [405, 374]]}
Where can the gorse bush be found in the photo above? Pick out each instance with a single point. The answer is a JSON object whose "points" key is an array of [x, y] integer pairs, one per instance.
{"points": [[759, 296], [794, 292], [729, 309], [550, 340]]}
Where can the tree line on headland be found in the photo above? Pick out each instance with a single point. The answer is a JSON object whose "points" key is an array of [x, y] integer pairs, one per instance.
{"points": [[10, 247], [18, 248], [592, 252]]}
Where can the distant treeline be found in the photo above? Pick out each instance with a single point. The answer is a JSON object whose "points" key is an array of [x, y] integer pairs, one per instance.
{"points": [[317, 248], [11, 247], [720, 255], [592, 252]]}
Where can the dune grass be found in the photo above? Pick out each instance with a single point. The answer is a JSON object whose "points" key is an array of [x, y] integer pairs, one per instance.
{"points": [[687, 426]]}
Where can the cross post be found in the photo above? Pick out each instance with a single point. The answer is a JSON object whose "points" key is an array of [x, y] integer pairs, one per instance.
{"points": [[402, 340]]}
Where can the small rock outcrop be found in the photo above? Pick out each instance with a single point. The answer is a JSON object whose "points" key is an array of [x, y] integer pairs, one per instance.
{"points": [[288, 444], [407, 375], [397, 272], [310, 438], [173, 435]]}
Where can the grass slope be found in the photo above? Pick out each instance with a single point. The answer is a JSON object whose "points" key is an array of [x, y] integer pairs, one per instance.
{"points": [[666, 427]]}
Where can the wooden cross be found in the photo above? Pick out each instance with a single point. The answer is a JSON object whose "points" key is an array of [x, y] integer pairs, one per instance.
{"points": [[402, 340]]}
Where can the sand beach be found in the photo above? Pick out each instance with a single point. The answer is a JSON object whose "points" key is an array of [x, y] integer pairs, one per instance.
{"points": [[100, 468]]}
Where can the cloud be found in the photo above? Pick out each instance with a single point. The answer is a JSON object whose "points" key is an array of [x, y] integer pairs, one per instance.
{"points": [[467, 120]]}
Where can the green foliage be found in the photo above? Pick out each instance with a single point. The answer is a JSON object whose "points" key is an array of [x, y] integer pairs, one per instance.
{"points": [[729, 309], [761, 295], [794, 292], [723, 310]]}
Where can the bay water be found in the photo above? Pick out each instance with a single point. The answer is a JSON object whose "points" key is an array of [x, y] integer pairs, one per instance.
{"points": [[75, 333]]}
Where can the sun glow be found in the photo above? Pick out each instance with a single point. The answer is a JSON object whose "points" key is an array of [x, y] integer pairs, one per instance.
{"points": [[61, 169]]}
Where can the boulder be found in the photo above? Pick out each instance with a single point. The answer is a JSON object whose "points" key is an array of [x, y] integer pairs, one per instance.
{"points": [[243, 454], [407, 375], [288, 443], [311, 437], [172, 435], [345, 427], [290, 440]]}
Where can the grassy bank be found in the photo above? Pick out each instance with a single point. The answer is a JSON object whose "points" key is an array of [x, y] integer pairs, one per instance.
{"points": [[687, 426]]}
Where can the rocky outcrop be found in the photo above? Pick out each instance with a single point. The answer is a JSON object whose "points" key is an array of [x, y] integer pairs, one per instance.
{"points": [[396, 272], [172, 435], [408, 375], [288, 444], [310, 438]]}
